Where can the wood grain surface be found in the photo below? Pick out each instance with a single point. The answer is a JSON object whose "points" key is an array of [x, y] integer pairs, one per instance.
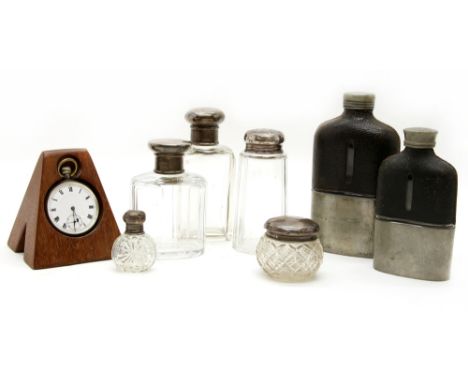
{"points": [[42, 244]]}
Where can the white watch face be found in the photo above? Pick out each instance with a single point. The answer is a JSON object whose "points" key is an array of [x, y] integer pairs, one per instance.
{"points": [[73, 208]]}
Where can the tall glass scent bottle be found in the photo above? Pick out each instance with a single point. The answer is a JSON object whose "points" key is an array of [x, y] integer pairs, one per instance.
{"points": [[215, 163], [416, 210], [348, 151], [261, 187], [134, 250], [174, 202]]}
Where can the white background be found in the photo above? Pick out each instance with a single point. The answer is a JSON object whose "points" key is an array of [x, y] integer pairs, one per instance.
{"points": [[110, 75]]}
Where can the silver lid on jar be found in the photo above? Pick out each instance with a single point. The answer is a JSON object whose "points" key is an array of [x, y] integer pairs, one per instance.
{"points": [[264, 141], [204, 124], [358, 101], [292, 228], [204, 116], [420, 137], [169, 155], [169, 146], [134, 220]]}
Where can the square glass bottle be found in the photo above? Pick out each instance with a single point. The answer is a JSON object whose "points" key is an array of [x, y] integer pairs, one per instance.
{"points": [[261, 187], [174, 202], [216, 164]]}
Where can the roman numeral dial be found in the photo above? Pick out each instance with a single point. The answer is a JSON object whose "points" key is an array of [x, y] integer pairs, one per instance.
{"points": [[72, 208]]}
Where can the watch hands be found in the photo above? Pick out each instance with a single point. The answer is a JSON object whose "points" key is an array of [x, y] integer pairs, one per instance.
{"points": [[74, 218]]}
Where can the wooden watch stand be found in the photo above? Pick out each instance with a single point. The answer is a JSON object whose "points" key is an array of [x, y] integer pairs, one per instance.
{"points": [[42, 244]]}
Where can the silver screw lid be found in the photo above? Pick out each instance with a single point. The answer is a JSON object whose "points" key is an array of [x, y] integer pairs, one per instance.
{"points": [[292, 228], [134, 220], [204, 116], [204, 123], [169, 146], [420, 137], [264, 141], [358, 101], [169, 155]]}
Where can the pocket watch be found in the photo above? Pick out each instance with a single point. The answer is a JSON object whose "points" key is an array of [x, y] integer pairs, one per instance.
{"points": [[72, 206]]}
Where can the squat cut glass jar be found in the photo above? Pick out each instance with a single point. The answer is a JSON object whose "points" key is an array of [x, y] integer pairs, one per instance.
{"points": [[290, 250]]}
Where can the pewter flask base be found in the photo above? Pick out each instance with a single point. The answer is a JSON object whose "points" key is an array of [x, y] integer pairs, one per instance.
{"points": [[346, 223], [415, 251]]}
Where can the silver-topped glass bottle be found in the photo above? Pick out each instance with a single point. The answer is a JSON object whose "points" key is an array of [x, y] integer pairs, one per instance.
{"points": [[215, 163], [261, 187], [134, 250], [174, 202]]}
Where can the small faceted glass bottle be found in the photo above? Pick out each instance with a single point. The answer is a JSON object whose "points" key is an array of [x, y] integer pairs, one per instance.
{"points": [[348, 151], [174, 202], [215, 163], [134, 251], [261, 187], [290, 250], [416, 210]]}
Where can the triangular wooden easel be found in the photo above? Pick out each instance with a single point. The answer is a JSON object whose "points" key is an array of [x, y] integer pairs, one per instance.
{"points": [[33, 234]]}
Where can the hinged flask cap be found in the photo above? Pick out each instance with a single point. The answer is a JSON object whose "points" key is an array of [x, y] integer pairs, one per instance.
{"points": [[420, 137], [358, 101]]}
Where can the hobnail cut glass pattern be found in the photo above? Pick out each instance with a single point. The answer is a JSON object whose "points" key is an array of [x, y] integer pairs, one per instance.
{"points": [[289, 260], [134, 253]]}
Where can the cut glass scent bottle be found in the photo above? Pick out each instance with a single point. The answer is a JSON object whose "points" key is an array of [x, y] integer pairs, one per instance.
{"points": [[134, 251]]}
